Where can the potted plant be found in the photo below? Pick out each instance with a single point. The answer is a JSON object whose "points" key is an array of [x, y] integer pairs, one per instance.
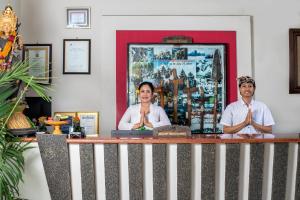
{"points": [[11, 147]]}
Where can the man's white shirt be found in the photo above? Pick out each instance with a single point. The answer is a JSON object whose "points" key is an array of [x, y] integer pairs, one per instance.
{"points": [[236, 112]]}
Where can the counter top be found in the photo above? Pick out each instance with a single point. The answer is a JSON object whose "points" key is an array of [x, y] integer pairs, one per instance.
{"points": [[194, 139]]}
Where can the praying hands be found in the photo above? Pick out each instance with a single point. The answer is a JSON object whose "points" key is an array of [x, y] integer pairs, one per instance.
{"points": [[143, 120]]}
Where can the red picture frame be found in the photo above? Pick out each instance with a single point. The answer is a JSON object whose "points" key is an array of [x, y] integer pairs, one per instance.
{"points": [[124, 37]]}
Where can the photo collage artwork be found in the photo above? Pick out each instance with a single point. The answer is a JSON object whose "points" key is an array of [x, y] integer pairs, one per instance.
{"points": [[189, 81]]}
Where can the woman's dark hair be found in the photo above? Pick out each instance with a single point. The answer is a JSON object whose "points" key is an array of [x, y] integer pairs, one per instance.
{"points": [[147, 83]]}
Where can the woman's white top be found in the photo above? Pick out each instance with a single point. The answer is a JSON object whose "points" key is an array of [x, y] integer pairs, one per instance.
{"points": [[157, 116]]}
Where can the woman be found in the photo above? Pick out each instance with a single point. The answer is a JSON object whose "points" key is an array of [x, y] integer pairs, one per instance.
{"points": [[145, 114]]}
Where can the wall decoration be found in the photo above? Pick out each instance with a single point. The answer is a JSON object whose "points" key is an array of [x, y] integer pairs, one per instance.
{"points": [[294, 37], [77, 56], [79, 17], [90, 122], [39, 57], [177, 39], [190, 81], [125, 37]]}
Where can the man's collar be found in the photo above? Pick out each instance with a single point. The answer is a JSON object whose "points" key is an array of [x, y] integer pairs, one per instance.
{"points": [[243, 102]]}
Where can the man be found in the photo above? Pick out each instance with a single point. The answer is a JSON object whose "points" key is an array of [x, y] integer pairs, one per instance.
{"points": [[247, 115]]}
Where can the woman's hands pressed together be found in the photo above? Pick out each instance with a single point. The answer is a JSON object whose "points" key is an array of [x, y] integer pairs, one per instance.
{"points": [[143, 120]]}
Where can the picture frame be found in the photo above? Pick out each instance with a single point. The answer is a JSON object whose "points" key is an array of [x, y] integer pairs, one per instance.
{"points": [[189, 80], [294, 48], [39, 57], [77, 56], [90, 121], [78, 17]]}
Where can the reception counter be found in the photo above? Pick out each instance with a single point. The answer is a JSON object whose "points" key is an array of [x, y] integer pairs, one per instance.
{"points": [[199, 167]]}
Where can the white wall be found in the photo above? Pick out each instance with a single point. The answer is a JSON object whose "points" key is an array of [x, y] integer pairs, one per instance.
{"points": [[44, 22], [109, 24]]}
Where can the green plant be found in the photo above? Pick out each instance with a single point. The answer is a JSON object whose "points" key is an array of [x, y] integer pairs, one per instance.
{"points": [[11, 147]]}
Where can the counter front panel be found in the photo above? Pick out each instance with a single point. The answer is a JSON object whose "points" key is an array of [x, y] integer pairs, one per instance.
{"points": [[198, 167]]}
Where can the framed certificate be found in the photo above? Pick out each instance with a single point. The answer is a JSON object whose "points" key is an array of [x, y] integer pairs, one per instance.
{"points": [[76, 56], [39, 57], [78, 17], [89, 120]]}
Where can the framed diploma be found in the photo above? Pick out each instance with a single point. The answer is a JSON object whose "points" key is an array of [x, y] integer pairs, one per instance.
{"points": [[89, 120], [76, 56], [78, 17], [39, 57]]}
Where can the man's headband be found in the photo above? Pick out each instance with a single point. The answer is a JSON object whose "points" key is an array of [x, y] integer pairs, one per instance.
{"points": [[246, 79]]}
